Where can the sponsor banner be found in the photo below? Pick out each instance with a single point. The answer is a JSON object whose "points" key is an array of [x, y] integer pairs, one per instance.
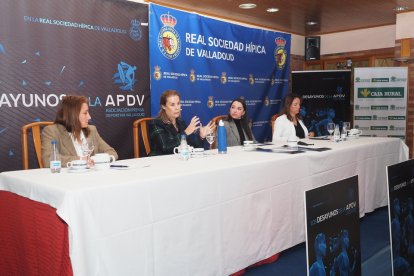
{"points": [[211, 62], [52, 48], [332, 229], [400, 179], [326, 98], [380, 93]]}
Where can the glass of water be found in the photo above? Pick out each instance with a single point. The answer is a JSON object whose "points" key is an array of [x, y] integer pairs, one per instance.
{"points": [[210, 139]]}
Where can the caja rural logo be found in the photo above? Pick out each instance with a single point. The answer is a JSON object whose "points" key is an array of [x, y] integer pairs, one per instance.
{"points": [[280, 52], [168, 38]]}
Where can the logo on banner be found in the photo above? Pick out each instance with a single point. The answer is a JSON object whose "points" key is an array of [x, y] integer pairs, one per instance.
{"points": [[266, 101], [381, 92], [210, 102], [135, 30], [280, 52], [272, 81], [223, 78], [251, 79], [192, 75], [157, 73], [168, 38], [125, 77]]}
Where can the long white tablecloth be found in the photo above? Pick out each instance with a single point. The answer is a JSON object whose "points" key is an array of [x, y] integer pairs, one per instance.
{"points": [[206, 216]]}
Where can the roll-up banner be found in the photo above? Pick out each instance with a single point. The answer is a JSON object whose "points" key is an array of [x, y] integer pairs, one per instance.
{"points": [[211, 62], [51, 48], [332, 229], [380, 101], [401, 216], [326, 98]]}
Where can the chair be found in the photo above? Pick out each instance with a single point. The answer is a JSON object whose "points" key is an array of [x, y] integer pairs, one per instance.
{"points": [[35, 129], [272, 121], [217, 119], [137, 124]]}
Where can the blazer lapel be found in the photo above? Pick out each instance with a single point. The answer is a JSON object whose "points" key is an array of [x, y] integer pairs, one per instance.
{"points": [[67, 144]]}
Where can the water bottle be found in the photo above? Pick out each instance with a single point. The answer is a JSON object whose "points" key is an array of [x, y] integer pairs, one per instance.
{"points": [[184, 148], [343, 133], [55, 163], [222, 138], [337, 134]]}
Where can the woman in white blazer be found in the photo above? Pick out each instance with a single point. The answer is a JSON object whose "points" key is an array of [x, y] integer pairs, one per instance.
{"points": [[290, 124]]}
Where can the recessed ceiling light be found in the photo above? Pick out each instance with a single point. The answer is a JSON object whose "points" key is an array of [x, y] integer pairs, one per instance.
{"points": [[311, 23], [247, 6], [272, 10], [400, 8]]}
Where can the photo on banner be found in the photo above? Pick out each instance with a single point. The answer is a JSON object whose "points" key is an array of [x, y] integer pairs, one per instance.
{"points": [[332, 229], [326, 98], [211, 62], [52, 48], [380, 101], [400, 179]]}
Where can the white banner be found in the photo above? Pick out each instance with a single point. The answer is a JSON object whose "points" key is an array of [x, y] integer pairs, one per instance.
{"points": [[380, 101]]}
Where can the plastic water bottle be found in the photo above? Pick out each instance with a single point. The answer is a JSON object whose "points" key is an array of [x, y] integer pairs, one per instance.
{"points": [[184, 148], [343, 133], [337, 134], [222, 138], [55, 162]]}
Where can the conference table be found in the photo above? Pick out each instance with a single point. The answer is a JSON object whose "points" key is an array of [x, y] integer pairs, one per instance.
{"points": [[211, 215]]}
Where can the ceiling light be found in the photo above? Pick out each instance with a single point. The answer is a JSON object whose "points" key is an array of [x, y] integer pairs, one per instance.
{"points": [[272, 10], [247, 6], [311, 23], [400, 8]]}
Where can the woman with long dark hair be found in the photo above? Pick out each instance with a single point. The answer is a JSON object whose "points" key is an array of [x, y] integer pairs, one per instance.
{"points": [[290, 124], [237, 124]]}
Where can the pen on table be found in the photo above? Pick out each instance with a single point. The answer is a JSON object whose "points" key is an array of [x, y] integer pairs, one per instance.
{"points": [[119, 166]]}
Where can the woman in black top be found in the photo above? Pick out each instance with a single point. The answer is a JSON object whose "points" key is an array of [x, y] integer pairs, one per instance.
{"points": [[167, 128]]}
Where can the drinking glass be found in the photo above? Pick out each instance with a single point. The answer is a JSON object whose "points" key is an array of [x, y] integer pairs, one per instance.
{"points": [[330, 127], [345, 127], [210, 139], [87, 148]]}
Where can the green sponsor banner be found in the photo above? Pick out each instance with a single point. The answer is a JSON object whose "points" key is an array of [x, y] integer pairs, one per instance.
{"points": [[363, 118], [379, 107], [381, 92], [380, 80], [379, 128], [396, 118]]}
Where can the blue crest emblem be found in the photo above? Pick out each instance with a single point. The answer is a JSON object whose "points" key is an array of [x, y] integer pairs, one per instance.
{"points": [[125, 76], [135, 30]]}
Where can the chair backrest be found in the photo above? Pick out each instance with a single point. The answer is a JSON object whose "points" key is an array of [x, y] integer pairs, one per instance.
{"points": [[141, 124], [272, 121], [35, 129], [217, 119]]}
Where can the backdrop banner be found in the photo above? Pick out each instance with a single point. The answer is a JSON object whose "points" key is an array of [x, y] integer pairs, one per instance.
{"points": [[211, 62], [326, 98], [332, 229], [380, 101], [51, 48], [401, 215]]}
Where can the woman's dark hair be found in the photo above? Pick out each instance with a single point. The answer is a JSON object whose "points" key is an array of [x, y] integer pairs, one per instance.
{"points": [[68, 115], [244, 122], [163, 101], [287, 103]]}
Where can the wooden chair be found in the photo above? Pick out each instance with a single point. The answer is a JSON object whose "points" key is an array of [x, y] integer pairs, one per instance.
{"points": [[137, 124], [272, 121], [35, 129], [217, 119]]}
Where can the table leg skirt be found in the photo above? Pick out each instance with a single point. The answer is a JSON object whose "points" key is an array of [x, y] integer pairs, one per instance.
{"points": [[33, 239]]}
